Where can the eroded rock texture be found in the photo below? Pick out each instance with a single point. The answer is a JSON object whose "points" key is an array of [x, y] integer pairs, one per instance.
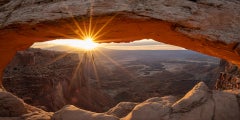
{"points": [[210, 27], [198, 104], [13, 108], [229, 77], [50, 82]]}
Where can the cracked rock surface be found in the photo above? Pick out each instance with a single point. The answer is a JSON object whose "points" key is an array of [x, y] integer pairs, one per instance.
{"points": [[200, 103]]}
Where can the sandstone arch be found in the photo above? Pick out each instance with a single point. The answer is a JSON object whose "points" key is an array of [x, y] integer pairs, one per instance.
{"points": [[210, 27]]}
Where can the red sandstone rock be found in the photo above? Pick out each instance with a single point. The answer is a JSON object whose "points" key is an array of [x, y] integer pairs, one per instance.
{"points": [[179, 22]]}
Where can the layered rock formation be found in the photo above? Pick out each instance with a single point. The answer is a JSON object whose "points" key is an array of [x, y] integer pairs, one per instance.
{"points": [[229, 77], [210, 27], [50, 83], [24, 58]]}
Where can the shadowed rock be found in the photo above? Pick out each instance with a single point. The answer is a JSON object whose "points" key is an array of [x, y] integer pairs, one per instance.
{"points": [[13, 108], [152, 109], [197, 104], [121, 109], [198, 95], [226, 106]]}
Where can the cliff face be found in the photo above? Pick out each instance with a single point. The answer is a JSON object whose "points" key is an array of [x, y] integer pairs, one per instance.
{"points": [[54, 81], [210, 27], [24, 58], [48, 83], [229, 77]]}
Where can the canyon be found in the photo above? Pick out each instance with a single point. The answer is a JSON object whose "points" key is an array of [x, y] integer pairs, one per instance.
{"points": [[158, 72]]}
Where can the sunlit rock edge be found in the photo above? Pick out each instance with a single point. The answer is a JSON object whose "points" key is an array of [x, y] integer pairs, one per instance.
{"points": [[200, 103]]}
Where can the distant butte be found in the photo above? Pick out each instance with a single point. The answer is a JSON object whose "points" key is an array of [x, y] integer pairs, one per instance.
{"points": [[210, 27]]}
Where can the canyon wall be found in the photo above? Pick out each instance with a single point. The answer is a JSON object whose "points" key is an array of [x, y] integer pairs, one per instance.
{"points": [[229, 77], [210, 27], [52, 79], [46, 79]]}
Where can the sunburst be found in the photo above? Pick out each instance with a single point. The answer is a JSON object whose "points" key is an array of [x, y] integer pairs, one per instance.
{"points": [[86, 34]]}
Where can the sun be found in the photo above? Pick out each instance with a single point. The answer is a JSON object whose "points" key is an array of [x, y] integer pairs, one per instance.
{"points": [[86, 34], [86, 44]]}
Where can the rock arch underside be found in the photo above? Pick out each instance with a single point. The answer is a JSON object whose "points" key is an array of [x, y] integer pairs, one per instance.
{"points": [[208, 26]]}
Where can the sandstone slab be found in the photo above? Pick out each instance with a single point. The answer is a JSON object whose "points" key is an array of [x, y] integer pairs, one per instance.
{"points": [[11, 106], [121, 109], [71, 112]]}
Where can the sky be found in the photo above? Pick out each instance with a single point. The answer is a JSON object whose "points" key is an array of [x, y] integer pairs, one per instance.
{"points": [[145, 44]]}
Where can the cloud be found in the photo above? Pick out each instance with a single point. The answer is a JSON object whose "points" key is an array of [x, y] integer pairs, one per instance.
{"points": [[135, 43], [146, 44]]}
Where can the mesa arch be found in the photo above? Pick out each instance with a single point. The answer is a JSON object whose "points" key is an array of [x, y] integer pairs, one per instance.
{"points": [[210, 27]]}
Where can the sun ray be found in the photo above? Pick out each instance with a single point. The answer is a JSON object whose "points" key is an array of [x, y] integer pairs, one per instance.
{"points": [[85, 29], [74, 76], [117, 64], [78, 27], [58, 58], [109, 20], [83, 34], [62, 35], [77, 31], [100, 63], [95, 71], [88, 31], [100, 35], [94, 29], [90, 24], [78, 72]]}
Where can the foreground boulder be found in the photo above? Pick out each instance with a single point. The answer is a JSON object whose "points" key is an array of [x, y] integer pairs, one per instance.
{"points": [[71, 112], [197, 96], [226, 106], [121, 109], [198, 104], [10, 105], [13, 108], [152, 109]]}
